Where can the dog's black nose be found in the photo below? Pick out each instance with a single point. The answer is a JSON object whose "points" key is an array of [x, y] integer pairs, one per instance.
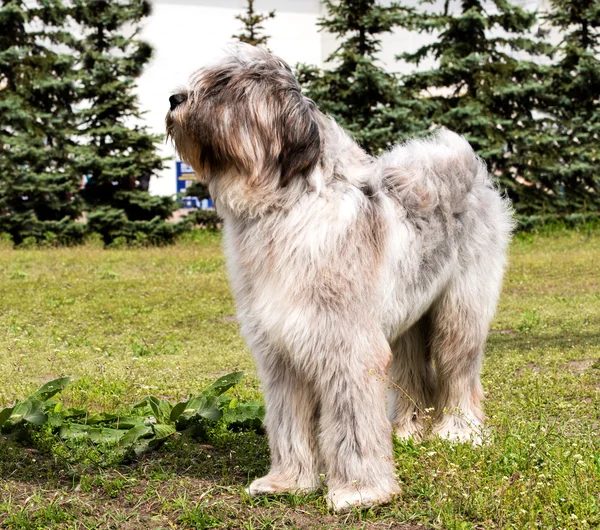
{"points": [[176, 99]]}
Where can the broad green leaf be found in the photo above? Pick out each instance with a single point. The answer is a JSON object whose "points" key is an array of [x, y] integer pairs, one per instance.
{"points": [[74, 431], [134, 434], [246, 414], [203, 406], [128, 422], [140, 447], [103, 417], [160, 408], [223, 384], [162, 431], [5, 414], [50, 389], [36, 414], [212, 413], [29, 411], [19, 411], [193, 406], [104, 435], [98, 435], [142, 406], [118, 421], [177, 410]]}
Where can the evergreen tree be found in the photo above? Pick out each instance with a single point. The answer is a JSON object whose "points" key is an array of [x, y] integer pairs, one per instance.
{"points": [[38, 183], [116, 156], [252, 30], [359, 93], [482, 89], [197, 189], [575, 102]]}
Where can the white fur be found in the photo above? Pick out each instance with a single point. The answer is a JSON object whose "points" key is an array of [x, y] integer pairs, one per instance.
{"points": [[353, 282], [273, 261]]}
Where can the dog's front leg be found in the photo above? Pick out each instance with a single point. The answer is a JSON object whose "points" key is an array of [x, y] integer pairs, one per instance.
{"points": [[291, 420], [355, 433]]}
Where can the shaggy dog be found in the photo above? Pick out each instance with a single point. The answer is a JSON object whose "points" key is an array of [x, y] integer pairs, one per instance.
{"points": [[352, 274]]}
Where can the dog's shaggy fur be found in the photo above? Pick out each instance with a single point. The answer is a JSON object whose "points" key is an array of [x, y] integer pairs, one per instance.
{"points": [[352, 274]]}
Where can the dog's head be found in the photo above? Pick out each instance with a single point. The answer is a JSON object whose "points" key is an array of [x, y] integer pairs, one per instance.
{"points": [[246, 114]]}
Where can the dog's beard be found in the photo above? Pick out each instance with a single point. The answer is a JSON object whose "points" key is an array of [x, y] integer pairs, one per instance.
{"points": [[187, 149]]}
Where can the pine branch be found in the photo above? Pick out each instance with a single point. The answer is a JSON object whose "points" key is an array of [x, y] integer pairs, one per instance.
{"points": [[252, 30]]}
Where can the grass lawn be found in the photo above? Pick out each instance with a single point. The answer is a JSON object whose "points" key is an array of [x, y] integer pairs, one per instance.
{"points": [[128, 323]]}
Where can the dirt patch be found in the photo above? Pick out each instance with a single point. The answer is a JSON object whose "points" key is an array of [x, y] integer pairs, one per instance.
{"points": [[508, 331], [528, 368], [579, 367]]}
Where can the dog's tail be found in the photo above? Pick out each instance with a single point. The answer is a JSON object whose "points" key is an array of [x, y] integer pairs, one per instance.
{"points": [[437, 171]]}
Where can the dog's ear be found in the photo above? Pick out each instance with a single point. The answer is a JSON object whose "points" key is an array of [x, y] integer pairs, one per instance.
{"points": [[300, 140]]}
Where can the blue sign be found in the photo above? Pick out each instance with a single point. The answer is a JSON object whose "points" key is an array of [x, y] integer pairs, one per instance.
{"points": [[185, 177]]}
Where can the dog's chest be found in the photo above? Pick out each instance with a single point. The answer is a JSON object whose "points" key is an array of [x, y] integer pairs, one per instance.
{"points": [[266, 295]]}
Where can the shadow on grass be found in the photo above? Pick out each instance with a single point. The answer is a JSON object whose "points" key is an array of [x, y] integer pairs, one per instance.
{"points": [[510, 339], [183, 484], [230, 459]]}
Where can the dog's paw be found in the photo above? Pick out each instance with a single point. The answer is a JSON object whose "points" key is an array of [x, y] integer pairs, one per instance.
{"points": [[409, 430], [272, 484], [345, 500], [460, 430], [264, 486]]}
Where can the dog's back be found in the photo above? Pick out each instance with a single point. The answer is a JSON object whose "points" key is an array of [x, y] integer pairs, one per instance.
{"points": [[439, 171]]}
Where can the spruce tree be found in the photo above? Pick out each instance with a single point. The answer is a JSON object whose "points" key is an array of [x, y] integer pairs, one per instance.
{"points": [[252, 30], [116, 156], [575, 103], [357, 91], [484, 89], [38, 183]]}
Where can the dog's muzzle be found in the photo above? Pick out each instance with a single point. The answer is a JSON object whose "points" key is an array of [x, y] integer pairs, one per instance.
{"points": [[176, 99]]}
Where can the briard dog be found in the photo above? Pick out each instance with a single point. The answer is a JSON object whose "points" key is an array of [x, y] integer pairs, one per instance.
{"points": [[364, 286]]}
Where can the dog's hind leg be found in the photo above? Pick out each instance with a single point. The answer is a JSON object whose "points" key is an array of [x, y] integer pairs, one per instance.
{"points": [[291, 422], [460, 320], [412, 382]]}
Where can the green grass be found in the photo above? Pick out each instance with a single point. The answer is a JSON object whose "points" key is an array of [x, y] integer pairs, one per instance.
{"points": [[127, 323]]}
